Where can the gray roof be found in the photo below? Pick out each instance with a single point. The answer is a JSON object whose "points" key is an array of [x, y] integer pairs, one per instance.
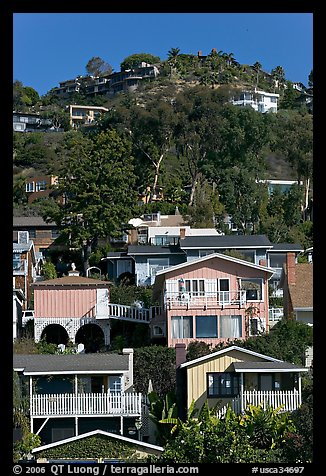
{"points": [[31, 221], [269, 366], [153, 250], [226, 241], [79, 363], [286, 247]]}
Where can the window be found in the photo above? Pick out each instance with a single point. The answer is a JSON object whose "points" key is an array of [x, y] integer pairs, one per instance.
{"points": [[230, 326], [195, 287], [30, 187], [223, 384], [223, 290], [206, 326], [115, 384], [40, 186], [253, 288], [16, 262], [55, 233], [276, 260], [157, 331], [181, 327], [165, 240], [156, 264]]}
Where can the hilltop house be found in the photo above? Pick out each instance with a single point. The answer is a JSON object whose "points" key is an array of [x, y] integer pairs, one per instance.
{"points": [[238, 376], [76, 393], [211, 299], [260, 101]]}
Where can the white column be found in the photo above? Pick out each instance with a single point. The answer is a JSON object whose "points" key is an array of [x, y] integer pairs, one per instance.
{"points": [[76, 426], [241, 393], [299, 387], [121, 425], [30, 401]]}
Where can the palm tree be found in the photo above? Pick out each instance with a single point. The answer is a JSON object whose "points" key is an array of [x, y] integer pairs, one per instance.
{"points": [[278, 75], [172, 58], [257, 69]]}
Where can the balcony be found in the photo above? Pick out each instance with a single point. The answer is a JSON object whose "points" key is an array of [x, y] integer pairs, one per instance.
{"points": [[208, 300], [86, 404]]}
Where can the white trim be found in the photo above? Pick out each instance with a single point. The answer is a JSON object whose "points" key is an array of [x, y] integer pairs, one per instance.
{"points": [[75, 372], [223, 351], [271, 370], [97, 432], [268, 247], [215, 255]]}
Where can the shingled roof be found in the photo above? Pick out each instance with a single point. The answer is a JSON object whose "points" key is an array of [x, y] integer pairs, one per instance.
{"points": [[79, 363], [226, 241], [301, 292], [72, 281]]}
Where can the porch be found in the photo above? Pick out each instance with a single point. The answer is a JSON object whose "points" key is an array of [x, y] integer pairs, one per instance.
{"points": [[86, 404], [288, 400]]}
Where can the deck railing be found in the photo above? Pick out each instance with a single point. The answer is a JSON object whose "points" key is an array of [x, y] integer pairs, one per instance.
{"points": [[126, 404], [288, 400], [208, 299]]}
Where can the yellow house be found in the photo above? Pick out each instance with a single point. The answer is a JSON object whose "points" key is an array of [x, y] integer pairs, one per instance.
{"points": [[239, 376]]}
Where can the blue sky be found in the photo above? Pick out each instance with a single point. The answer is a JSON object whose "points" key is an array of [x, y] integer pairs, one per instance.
{"points": [[52, 47]]}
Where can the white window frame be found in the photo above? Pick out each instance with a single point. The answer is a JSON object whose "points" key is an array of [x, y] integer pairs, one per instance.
{"points": [[223, 296]]}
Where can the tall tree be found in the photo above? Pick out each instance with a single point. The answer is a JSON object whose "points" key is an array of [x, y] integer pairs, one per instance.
{"points": [[278, 75], [296, 145], [257, 68], [134, 60], [98, 183], [172, 58], [96, 66]]}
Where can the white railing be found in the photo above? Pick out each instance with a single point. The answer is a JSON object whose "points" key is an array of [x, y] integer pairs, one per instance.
{"points": [[290, 400], [193, 299], [275, 315], [86, 404], [132, 313]]}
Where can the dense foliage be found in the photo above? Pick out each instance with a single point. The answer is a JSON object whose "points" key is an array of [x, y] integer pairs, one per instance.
{"points": [[256, 436]]}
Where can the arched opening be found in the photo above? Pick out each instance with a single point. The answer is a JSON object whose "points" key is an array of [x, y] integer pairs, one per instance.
{"points": [[55, 334], [92, 336]]}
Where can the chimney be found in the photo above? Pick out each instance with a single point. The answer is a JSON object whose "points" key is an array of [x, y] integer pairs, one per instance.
{"points": [[180, 354], [214, 50], [182, 233], [73, 271], [290, 267], [200, 53]]}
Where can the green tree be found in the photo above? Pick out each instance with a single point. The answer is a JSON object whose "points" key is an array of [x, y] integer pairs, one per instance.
{"points": [[134, 60], [278, 75], [296, 145], [97, 181], [49, 270], [155, 363]]}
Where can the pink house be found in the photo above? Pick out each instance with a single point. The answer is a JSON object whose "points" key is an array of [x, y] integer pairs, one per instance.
{"points": [[65, 306], [211, 299]]}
